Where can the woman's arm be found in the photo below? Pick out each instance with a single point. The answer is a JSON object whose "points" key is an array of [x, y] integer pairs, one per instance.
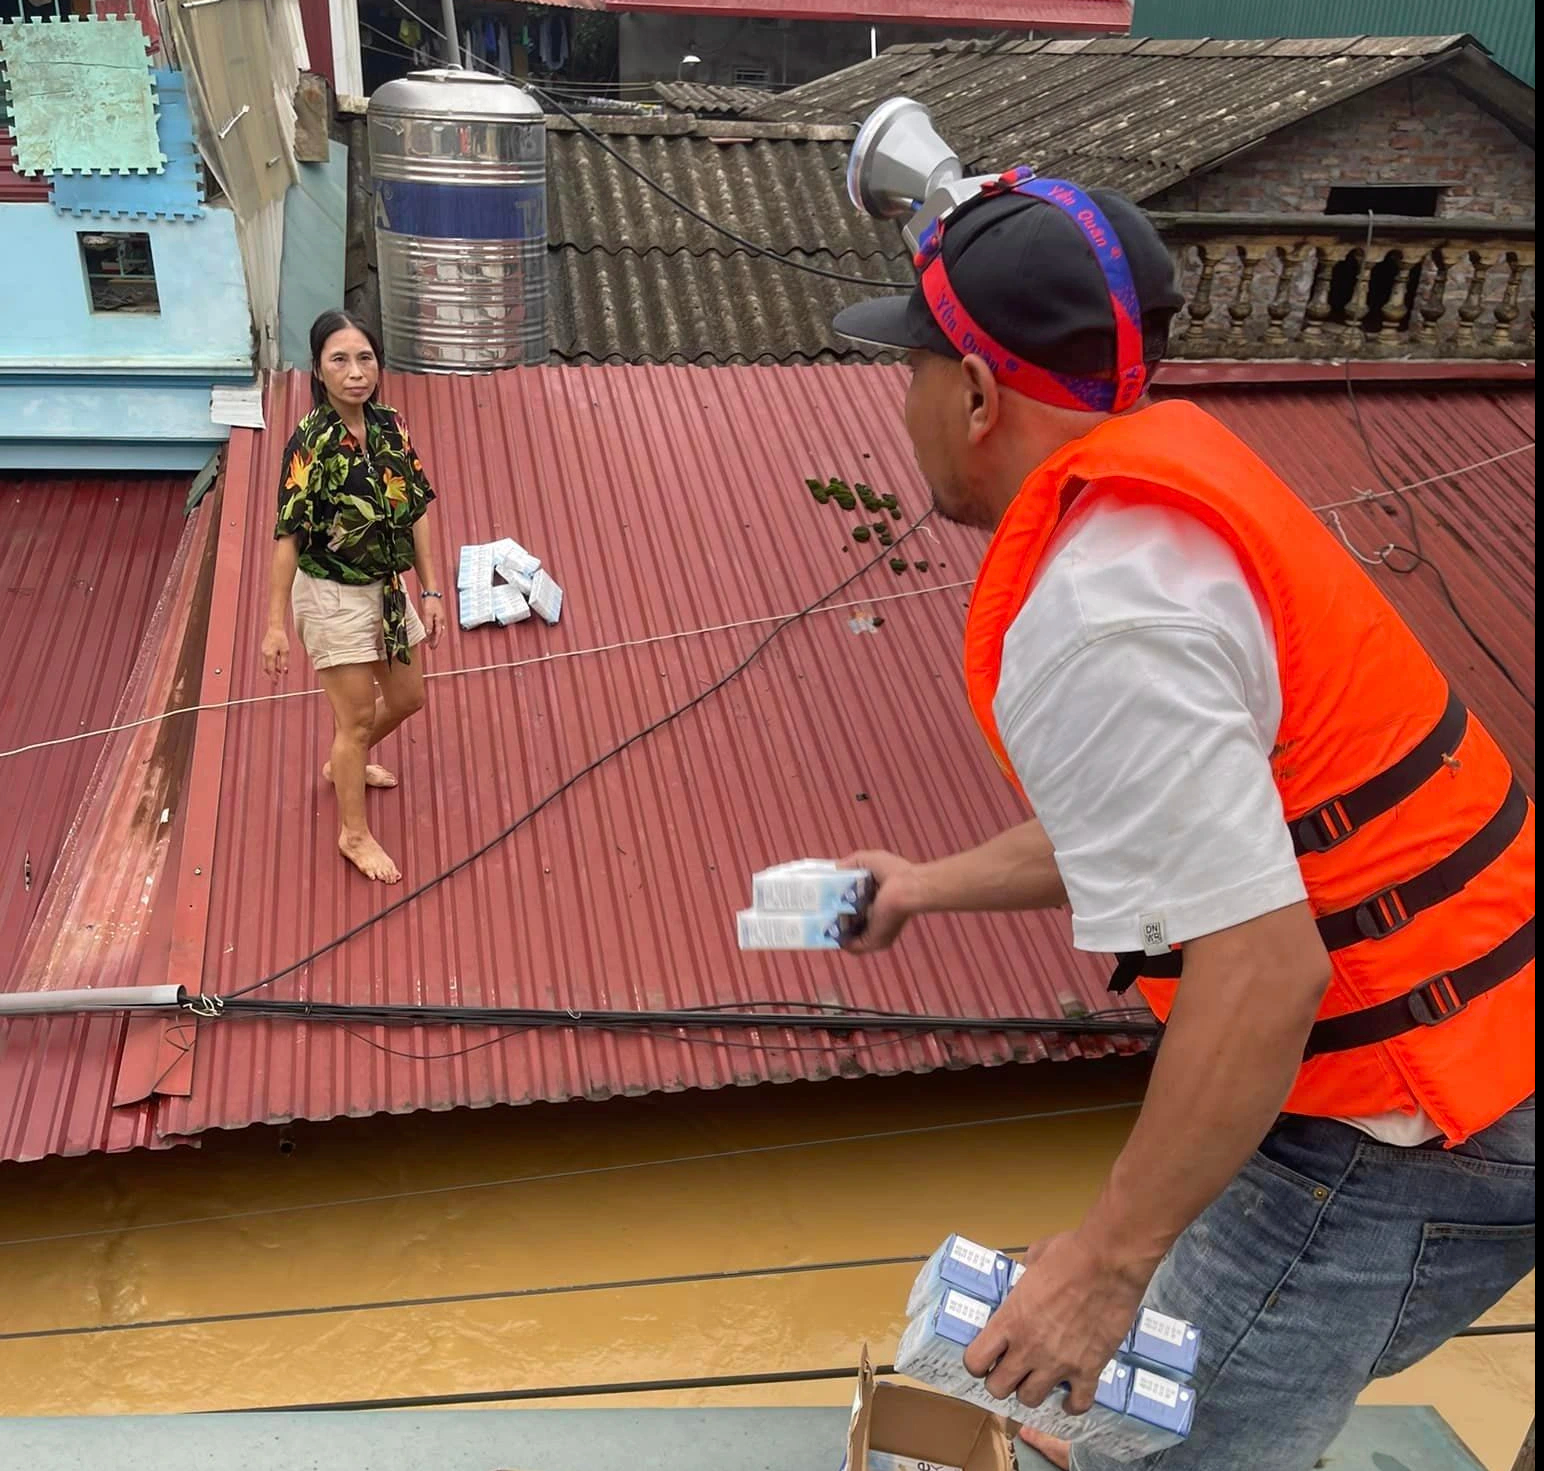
{"points": [[428, 580], [281, 576]]}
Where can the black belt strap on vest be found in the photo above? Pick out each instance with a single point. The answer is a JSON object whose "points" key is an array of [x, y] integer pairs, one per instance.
{"points": [[1391, 909], [1430, 1004], [1330, 823]]}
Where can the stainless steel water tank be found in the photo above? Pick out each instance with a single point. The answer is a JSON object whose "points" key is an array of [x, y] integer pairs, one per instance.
{"points": [[459, 162]]}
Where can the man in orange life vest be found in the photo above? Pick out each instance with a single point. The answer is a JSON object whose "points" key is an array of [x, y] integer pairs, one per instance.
{"points": [[1250, 782]]}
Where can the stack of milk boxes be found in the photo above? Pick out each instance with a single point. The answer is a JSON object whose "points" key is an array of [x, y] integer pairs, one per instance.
{"points": [[1144, 1401], [811, 904]]}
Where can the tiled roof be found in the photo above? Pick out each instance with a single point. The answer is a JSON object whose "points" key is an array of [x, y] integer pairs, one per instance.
{"points": [[1124, 113], [670, 503], [632, 278], [703, 99]]}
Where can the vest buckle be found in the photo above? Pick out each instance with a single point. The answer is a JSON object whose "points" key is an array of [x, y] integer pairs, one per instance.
{"points": [[1436, 1001], [1382, 915], [1324, 828]]}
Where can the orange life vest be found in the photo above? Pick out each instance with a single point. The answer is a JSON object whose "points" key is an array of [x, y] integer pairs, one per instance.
{"points": [[1414, 839]]}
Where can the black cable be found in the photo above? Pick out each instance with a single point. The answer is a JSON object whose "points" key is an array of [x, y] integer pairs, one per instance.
{"points": [[537, 1018], [565, 1391], [838, 1025], [639, 735], [1415, 552], [676, 200], [452, 1299], [638, 1386]]}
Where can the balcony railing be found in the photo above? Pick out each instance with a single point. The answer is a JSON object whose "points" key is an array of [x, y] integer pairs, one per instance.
{"points": [[1312, 286]]}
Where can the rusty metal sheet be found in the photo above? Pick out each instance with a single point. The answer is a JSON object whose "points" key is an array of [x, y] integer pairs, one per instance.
{"points": [[1039, 15], [83, 563], [670, 504]]}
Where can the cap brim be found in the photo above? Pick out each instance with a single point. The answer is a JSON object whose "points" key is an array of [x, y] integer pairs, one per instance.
{"points": [[882, 322]]}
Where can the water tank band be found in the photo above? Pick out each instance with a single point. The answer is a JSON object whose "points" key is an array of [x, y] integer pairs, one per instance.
{"points": [[461, 211]]}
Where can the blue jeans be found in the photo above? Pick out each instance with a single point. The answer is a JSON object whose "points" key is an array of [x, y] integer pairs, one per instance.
{"points": [[1330, 1261]]}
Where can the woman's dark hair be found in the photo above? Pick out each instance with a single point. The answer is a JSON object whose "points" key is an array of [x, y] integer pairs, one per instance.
{"points": [[323, 328]]}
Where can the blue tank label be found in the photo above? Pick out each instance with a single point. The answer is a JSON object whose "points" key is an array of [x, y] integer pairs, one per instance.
{"points": [[461, 211]]}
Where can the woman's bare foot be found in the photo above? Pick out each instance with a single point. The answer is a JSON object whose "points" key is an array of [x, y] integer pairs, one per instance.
{"points": [[369, 858], [375, 776], [1057, 1452]]}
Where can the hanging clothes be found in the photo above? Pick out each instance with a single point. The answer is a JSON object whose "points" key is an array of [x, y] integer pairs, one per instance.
{"points": [[554, 41]]}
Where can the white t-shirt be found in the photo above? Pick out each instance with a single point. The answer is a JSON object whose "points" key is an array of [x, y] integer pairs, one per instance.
{"points": [[1139, 703]]}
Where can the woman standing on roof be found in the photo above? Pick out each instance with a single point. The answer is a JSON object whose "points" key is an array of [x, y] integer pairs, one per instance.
{"points": [[352, 502]]}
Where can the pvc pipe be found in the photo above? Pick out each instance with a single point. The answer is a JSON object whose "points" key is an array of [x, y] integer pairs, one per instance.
{"points": [[104, 998]]}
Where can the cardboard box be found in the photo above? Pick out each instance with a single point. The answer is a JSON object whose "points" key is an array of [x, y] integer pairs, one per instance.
{"points": [[897, 1423]]}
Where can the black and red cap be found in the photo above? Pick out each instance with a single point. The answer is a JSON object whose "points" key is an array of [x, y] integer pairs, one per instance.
{"points": [[1066, 293]]}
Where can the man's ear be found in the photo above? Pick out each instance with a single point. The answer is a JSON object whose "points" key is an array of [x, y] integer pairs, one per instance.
{"points": [[983, 396]]}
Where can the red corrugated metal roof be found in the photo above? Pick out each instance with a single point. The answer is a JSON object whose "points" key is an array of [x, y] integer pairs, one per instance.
{"points": [[666, 500], [18, 188], [84, 567], [1082, 17], [82, 562]]}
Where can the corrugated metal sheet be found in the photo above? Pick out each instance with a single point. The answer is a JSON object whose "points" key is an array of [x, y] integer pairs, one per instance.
{"points": [[668, 500], [1504, 27], [1128, 114], [18, 188], [633, 279], [84, 568], [82, 564], [1080, 16], [663, 500]]}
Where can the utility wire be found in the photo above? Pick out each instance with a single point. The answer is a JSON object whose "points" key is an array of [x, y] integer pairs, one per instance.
{"points": [[1414, 551], [584, 1172], [648, 179], [638, 1386]]}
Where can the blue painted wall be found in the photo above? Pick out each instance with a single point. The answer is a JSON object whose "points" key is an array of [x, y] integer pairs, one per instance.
{"points": [[99, 390], [204, 324]]}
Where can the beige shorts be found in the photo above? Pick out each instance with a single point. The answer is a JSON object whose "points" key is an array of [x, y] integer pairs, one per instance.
{"points": [[339, 624]]}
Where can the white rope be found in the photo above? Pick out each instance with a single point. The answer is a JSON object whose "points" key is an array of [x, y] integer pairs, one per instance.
{"points": [[1363, 496], [1377, 559], [633, 643], [1328, 511]]}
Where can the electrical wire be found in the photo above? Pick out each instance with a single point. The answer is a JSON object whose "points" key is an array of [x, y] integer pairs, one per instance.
{"points": [[638, 1386], [567, 1391], [555, 657], [648, 179], [456, 1299], [590, 767], [582, 1172], [1415, 551]]}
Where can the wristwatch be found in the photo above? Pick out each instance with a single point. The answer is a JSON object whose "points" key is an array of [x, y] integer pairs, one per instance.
{"points": [[439, 595]]}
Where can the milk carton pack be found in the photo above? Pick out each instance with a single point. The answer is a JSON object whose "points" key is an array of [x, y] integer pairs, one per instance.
{"points": [[1164, 1343], [932, 1350], [546, 598], [511, 560], [1160, 1401], [812, 886], [963, 1263], [508, 606], [760, 930]]}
